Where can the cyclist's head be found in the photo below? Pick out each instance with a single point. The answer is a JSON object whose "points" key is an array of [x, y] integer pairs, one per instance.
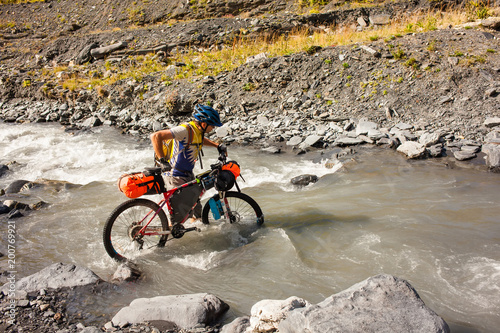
{"points": [[206, 114]]}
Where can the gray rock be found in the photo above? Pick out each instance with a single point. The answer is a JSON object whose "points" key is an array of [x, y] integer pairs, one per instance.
{"points": [[56, 276], [404, 126], [239, 325], [16, 186], [311, 140], [3, 169], [381, 303], [294, 141], [492, 122], [375, 134], [304, 180], [436, 150], [470, 149], [14, 214], [266, 315], [84, 55], [492, 23], [492, 152], [429, 139], [463, 155], [347, 141], [101, 52], [364, 127], [272, 150], [127, 272], [380, 19], [92, 122], [412, 149], [186, 311]]}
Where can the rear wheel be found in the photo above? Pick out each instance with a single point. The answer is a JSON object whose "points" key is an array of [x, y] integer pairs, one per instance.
{"points": [[241, 209], [121, 236]]}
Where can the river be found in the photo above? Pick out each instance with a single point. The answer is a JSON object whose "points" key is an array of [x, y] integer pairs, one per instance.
{"points": [[436, 227]]}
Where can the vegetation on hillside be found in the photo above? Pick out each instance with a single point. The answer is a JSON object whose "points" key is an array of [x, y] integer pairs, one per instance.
{"points": [[212, 62]]}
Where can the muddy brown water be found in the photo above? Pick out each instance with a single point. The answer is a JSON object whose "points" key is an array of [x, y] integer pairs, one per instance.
{"points": [[436, 227]]}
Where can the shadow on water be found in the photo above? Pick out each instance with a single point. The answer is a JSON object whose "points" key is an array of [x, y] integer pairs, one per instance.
{"points": [[313, 218]]}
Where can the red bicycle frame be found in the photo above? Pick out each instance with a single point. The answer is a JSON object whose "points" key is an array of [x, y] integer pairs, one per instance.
{"points": [[165, 201]]}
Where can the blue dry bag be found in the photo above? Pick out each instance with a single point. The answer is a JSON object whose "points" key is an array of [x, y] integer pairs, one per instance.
{"points": [[215, 207]]}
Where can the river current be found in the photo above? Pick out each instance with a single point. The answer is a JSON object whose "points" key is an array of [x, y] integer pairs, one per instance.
{"points": [[436, 227]]}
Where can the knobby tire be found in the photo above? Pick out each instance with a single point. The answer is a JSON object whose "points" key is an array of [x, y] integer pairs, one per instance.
{"points": [[245, 210], [119, 228]]}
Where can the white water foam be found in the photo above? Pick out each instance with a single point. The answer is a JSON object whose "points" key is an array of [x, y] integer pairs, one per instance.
{"points": [[48, 152], [202, 261]]}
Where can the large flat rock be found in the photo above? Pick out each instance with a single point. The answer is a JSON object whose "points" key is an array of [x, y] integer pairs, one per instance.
{"points": [[56, 276], [382, 303], [186, 311]]}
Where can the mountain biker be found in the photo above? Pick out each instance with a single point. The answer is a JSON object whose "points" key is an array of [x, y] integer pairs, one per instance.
{"points": [[187, 141]]}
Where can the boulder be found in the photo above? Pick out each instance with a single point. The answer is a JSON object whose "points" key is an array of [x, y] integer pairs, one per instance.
{"points": [[382, 303], [267, 314], [492, 152], [185, 311], [429, 139], [16, 186], [56, 276], [304, 180], [3, 169], [412, 149]]}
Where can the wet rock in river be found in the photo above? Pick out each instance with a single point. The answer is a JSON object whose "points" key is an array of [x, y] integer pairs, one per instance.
{"points": [[304, 180], [3, 169], [127, 272], [16, 186]]}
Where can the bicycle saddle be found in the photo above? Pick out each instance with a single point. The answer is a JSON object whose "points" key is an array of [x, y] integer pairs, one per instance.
{"points": [[152, 171]]}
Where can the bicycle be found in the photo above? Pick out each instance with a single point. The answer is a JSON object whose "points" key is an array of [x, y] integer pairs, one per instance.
{"points": [[140, 224]]}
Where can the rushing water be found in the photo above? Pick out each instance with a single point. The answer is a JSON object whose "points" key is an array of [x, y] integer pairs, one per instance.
{"points": [[435, 227]]}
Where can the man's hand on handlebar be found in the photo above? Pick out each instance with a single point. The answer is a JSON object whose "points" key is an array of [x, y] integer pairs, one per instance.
{"points": [[164, 165], [222, 148]]}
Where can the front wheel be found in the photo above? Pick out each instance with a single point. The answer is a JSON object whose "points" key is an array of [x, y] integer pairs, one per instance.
{"points": [[240, 209], [122, 234]]}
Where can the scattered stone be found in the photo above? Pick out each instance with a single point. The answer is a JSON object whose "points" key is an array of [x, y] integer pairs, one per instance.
{"points": [[429, 139], [464, 155], [412, 149], [347, 141], [128, 272], [492, 122]]}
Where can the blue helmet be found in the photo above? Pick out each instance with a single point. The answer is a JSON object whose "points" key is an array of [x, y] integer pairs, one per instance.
{"points": [[207, 114]]}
